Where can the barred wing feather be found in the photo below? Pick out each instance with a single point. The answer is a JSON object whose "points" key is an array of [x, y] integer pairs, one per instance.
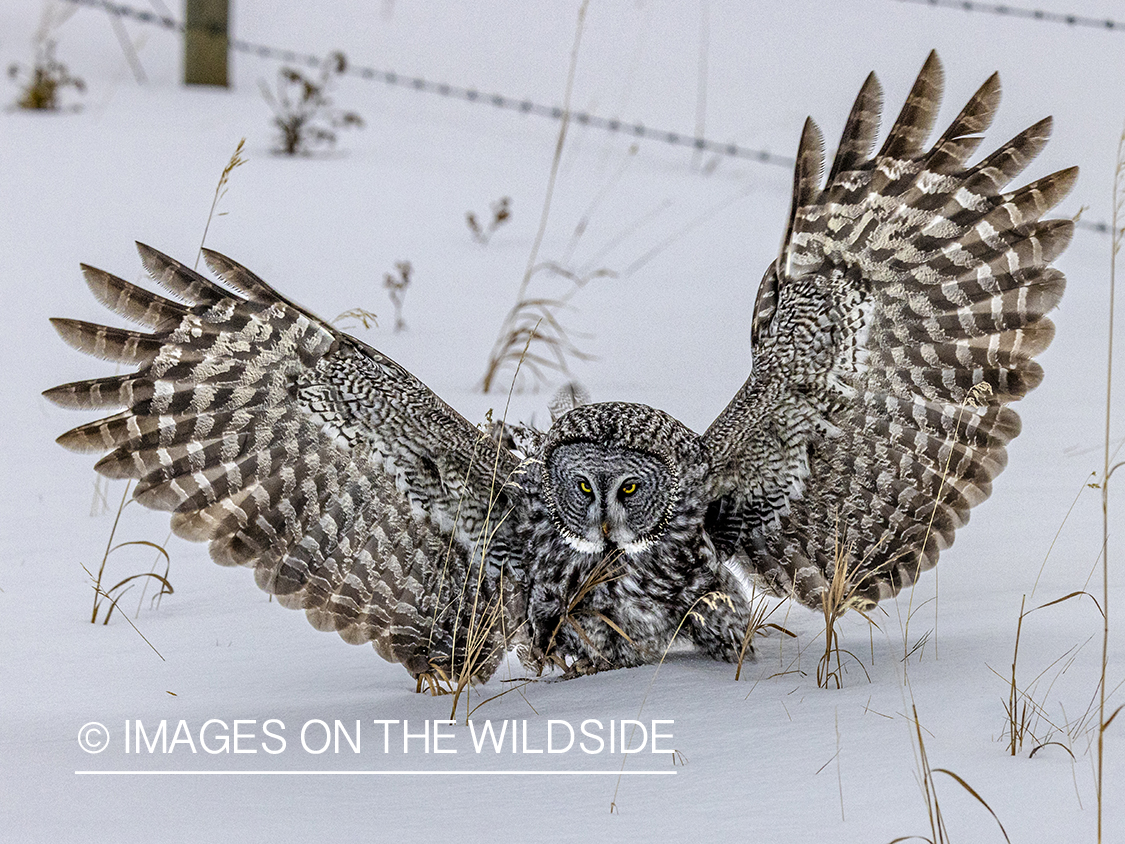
{"points": [[354, 492], [900, 319]]}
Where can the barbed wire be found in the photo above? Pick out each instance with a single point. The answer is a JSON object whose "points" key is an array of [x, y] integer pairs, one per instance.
{"points": [[525, 106], [472, 95], [1091, 226], [1021, 12]]}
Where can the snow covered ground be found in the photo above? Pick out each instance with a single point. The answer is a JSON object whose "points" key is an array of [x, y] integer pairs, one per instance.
{"points": [[769, 758]]}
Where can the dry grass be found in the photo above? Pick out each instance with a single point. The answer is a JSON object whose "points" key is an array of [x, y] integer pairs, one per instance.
{"points": [[534, 319], [396, 285], [361, 316], [938, 832], [115, 593], [1107, 470], [841, 596], [99, 591], [485, 614], [236, 160], [606, 571], [761, 609], [533, 326], [1025, 715], [1025, 712]]}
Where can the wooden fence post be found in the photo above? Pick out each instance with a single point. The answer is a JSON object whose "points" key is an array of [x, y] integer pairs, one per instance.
{"points": [[206, 42]]}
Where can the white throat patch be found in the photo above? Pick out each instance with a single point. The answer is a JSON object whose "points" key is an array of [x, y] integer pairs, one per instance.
{"points": [[589, 546]]}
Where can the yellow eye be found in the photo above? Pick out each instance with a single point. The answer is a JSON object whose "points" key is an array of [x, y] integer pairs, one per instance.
{"points": [[585, 487], [628, 489]]}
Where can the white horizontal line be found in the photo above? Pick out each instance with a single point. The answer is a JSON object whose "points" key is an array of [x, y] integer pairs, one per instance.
{"points": [[376, 773]]}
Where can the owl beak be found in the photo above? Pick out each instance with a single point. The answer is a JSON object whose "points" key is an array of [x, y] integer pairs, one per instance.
{"points": [[605, 529]]}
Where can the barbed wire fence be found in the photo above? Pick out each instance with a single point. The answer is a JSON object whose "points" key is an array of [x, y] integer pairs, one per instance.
{"points": [[610, 124], [471, 95], [1022, 12], [1043, 16]]}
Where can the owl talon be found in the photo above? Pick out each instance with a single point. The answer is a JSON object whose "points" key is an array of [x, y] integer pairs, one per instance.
{"points": [[584, 667], [543, 662]]}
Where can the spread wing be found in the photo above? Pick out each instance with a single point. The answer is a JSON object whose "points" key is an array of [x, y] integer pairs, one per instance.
{"points": [[353, 491], [900, 319]]}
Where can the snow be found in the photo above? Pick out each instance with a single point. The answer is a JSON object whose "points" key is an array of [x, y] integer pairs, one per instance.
{"points": [[771, 757]]}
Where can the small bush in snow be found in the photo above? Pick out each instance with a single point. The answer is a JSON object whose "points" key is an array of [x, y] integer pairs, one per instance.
{"points": [[41, 83], [501, 213], [303, 111]]}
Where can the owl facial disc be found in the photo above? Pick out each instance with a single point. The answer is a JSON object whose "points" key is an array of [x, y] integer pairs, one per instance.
{"points": [[607, 497]]}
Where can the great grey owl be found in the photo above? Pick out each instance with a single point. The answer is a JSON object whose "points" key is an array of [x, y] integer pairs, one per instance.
{"points": [[900, 318]]}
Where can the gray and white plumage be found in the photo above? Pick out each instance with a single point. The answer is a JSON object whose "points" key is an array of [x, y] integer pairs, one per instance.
{"points": [[899, 320]]}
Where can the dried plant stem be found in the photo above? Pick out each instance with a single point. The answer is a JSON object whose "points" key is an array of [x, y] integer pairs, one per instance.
{"points": [[1085, 482], [101, 594], [482, 620], [708, 598], [835, 600], [939, 834], [115, 593], [1118, 237], [304, 114], [1022, 711], [236, 160], [1015, 722], [98, 593], [511, 331], [758, 621], [533, 258]]}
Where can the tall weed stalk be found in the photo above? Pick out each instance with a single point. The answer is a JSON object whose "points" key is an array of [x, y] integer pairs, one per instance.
{"points": [[1107, 470], [519, 326]]}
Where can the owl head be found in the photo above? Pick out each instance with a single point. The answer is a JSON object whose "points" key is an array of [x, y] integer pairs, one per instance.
{"points": [[613, 475]]}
